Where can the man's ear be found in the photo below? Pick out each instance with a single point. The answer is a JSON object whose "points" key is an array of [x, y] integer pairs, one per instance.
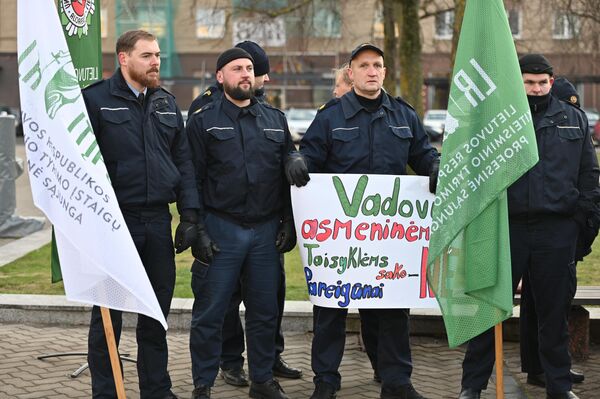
{"points": [[220, 76], [122, 57], [551, 80]]}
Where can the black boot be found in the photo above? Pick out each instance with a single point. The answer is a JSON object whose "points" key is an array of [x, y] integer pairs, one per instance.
{"points": [[562, 395], [323, 390], [201, 392], [284, 370], [401, 392], [235, 377], [267, 390], [470, 393]]}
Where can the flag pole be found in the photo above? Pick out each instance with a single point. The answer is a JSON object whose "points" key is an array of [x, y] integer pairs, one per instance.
{"points": [[112, 350], [499, 362]]}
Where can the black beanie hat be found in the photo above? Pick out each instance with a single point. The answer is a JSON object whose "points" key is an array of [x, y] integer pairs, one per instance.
{"points": [[261, 61], [232, 54], [535, 63], [564, 90]]}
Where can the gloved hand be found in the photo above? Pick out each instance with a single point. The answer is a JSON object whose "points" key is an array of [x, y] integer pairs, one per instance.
{"points": [[185, 234], [296, 169], [204, 248], [286, 236], [433, 175]]}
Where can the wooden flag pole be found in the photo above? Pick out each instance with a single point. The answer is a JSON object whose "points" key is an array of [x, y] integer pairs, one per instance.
{"points": [[499, 362], [112, 350]]}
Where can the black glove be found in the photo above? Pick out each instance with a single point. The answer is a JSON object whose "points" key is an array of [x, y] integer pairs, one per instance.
{"points": [[433, 175], [588, 221], [185, 234], [204, 248], [296, 169], [286, 236]]}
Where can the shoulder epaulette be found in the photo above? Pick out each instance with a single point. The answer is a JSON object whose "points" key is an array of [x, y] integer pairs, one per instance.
{"points": [[403, 101], [272, 107], [167, 91], [204, 108], [328, 104], [96, 83]]}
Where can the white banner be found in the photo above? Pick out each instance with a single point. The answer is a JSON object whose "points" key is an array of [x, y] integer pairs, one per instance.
{"points": [[99, 261], [364, 240]]}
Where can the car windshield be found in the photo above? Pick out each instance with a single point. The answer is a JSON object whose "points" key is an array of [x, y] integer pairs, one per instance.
{"points": [[591, 114]]}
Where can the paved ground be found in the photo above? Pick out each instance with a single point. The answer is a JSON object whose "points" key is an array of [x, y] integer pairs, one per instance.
{"points": [[436, 374]]}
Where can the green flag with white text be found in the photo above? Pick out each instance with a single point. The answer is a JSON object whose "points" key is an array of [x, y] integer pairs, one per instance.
{"points": [[80, 22], [488, 144]]}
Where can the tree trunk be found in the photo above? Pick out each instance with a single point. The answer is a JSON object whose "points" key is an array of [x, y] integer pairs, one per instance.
{"points": [[459, 12], [389, 46], [411, 71]]}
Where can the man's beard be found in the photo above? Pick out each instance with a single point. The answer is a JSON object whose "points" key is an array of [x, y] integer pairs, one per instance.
{"points": [[145, 80], [237, 93]]}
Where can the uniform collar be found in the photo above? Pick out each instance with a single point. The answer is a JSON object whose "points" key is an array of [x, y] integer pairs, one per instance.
{"points": [[351, 106], [119, 87], [234, 112]]}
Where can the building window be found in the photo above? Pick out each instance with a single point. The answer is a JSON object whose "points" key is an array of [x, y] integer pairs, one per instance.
{"points": [[327, 20], [566, 26], [210, 23], [378, 23], [103, 22], [514, 21], [444, 24], [266, 32]]}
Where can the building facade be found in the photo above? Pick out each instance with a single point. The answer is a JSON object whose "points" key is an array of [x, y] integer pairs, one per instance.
{"points": [[306, 43]]}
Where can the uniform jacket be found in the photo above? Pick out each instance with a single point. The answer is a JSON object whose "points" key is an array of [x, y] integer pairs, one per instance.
{"points": [[565, 179], [346, 138], [145, 149], [238, 156]]}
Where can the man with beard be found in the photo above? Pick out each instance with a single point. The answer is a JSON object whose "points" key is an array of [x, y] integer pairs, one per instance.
{"points": [[232, 361], [238, 146], [140, 132], [261, 76], [548, 208]]}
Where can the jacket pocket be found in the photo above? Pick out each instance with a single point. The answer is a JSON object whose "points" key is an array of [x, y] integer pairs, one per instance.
{"points": [[221, 133], [116, 116], [345, 134], [569, 133], [402, 132], [275, 135]]}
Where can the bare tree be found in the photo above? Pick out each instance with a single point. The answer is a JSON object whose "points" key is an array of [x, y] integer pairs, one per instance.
{"points": [[411, 76]]}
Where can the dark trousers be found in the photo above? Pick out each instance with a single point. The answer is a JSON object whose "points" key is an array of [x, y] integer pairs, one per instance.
{"points": [[233, 332], [151, 233], [528, 326], [394, 363], [249, 253], [543, 252]]}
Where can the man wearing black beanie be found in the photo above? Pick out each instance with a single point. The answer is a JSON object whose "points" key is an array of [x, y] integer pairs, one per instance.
{"points": [[548, 208], [232, 361], [261, 76], [245, 223]]}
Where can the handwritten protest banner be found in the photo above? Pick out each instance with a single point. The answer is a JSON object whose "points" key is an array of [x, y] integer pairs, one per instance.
{"points": [[364, 240]]}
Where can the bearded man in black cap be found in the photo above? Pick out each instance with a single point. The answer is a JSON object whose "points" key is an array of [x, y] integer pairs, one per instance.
{"points": [[232, 361], [548, 206], [238, 149], [261, 76]]}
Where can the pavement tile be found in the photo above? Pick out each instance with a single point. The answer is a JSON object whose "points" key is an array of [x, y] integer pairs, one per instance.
{"points": [[437, 368]]}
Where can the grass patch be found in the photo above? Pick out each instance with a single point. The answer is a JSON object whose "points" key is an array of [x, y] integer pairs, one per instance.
{"points": [[31, 274]]}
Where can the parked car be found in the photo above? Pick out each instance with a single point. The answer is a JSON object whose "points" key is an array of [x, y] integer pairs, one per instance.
{"points": [[434, 122], [17, 114], [593, 117], [299, 119]]}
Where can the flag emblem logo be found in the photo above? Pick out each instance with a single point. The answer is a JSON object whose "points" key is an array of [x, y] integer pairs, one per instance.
{"points": [[76, 16]]}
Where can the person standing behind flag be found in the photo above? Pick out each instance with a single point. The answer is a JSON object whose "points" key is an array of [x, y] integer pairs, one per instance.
{"points": [[528, 320], [342, 83], [140, 133], [546, 206], [232, 361], [239, 146], [364, 131]]}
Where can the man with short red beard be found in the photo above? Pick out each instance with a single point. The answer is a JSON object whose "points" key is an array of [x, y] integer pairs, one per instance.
{"points": [[245, 222], [140, 132]]}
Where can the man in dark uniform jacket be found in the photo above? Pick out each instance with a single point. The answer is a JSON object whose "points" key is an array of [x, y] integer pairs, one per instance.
{"points": [[140, 132], [547, 208], [232, 361], [239, 146], [528, 320], [364, 131]]}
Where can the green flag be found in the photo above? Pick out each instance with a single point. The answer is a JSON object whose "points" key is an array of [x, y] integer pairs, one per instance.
{"points": [[489, 143], [81, 26]]}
